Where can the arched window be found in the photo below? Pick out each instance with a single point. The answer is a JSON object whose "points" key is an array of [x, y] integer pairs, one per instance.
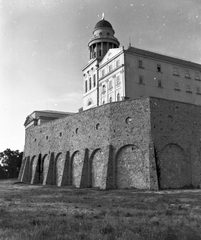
{"points": [[94, 80], [103, 89], [89, 83], [110, 99], [103, 102], [118, 80], [110, 84], [118, 97], [89, 103], [85, 86]]}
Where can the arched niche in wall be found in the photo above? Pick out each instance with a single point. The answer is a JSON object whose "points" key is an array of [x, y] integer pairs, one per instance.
{"points": [[39, 169], [195, 156], [45, 162], [130, 171], [77, 165], [97, 167], [60, 160], [32, 166], [173, 168]]}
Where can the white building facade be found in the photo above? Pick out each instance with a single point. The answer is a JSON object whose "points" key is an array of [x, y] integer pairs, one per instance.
{"points": [[115, 74]]}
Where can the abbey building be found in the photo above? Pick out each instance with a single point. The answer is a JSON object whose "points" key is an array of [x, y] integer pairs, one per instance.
{"points": [[140, 125], [114, 74]]}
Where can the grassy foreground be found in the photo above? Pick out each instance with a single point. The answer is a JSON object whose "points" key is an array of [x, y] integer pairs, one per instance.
{"points": [[47, 212]]}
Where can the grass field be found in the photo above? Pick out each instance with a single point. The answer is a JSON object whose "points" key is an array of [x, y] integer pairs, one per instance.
{"points": [[48, 212]]}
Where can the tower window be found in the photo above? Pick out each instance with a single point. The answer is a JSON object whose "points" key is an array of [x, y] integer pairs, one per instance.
{"points": [[85, 86], [94, 80], [89, 83], [158, 68], [100, 52], [160, 83], [101, 33], [108, 34]]}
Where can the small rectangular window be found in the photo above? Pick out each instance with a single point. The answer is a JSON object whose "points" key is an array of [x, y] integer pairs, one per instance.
{"points": [[176, 86], [158, 68], [103, 72], [198, 91], [187, 74], [197, 76], [175, 71], [160, 83], [188, 88], [141, 80], [140, 64]]}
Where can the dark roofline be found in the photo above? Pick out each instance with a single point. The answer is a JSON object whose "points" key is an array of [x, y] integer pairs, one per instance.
{"points": [[51, 111], [163, 57]]}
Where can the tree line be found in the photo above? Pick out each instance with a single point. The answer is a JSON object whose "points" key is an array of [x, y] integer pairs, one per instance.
{"points": [[10, 162]]}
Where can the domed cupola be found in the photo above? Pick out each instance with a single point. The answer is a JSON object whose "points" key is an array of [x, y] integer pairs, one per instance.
{"points": [[102, 40], [103, 23]]}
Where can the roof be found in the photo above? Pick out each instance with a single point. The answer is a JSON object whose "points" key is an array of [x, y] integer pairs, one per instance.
{"points": [[103, 23], [163, 57], [46, 114], [52, 111]]}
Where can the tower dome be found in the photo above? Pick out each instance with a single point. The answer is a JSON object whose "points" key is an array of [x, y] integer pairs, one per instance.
{"points": [[103, 23], [103, 39]]}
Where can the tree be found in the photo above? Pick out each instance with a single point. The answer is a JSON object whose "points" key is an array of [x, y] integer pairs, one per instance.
{"points": [[11, 162], [2, 173]]}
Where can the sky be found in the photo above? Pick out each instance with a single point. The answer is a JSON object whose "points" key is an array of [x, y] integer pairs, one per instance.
{"points": [[43, 48]]}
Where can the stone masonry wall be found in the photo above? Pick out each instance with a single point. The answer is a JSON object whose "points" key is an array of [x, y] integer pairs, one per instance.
{"points": [[105, 147], [176, 134], [147, 143]]}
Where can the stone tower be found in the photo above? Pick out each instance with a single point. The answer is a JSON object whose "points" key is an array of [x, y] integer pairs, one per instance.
{"points": [[103, 39]]}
